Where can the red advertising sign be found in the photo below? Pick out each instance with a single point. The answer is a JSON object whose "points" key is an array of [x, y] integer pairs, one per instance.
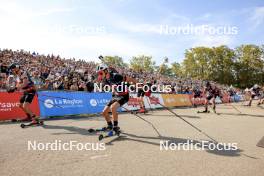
{"points": [[9, 106], [198, 100]]}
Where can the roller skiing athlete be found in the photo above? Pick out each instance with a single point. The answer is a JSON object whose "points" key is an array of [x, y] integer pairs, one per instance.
{"points": [[140, 97], [255, 91], [120, 96], [22, 82], [212, 92], [197, 93], [148, 94], [231, 93]]}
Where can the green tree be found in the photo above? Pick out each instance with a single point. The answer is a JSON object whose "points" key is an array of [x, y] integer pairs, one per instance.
{"points": [[164, 69], [142, 62], [196, 62], [222, 65], [249, 65], [176, 69], [114, 61], [242, 67]]}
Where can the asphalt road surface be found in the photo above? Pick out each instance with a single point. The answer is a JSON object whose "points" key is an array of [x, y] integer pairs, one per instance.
{"points": [[139, 150]]}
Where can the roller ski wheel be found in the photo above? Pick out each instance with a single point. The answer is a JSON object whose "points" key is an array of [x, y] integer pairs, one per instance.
{"points": [[101, 137], [22, 125], [39, 123], [92, 130], [111, 133]]}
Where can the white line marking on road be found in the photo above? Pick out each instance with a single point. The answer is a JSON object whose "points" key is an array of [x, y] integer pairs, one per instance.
{"points": [[98, 156]]}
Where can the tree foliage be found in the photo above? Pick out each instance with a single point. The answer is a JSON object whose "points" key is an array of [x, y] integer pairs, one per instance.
{"points": [[115, 61], [142, 62], [243, 66]]}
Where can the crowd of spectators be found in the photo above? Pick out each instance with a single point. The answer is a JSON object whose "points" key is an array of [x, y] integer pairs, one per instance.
{"points": [[50, 72]]}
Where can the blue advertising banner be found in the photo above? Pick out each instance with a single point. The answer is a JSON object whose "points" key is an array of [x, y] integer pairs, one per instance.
{"points": [[70, 103], [236, 98]]}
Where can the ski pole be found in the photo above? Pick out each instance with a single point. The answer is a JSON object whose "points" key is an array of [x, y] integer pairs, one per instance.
{"points": [[149, 103], [188, 122], [143, 120]]}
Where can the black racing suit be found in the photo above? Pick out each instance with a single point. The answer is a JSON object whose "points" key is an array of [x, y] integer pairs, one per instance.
{"points": [[141, 92], [212, 93], [255, 92], [197, 93], [121, 96], [29, 91]]}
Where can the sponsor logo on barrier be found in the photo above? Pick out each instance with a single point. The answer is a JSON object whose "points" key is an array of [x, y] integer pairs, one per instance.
{"points": [[49, 103], [154, 100], [93, 102], [150, 102], [64, 103], [70, 103], [198, 101], [98, 102], [7, 106], [133, 102], [171, 100]]}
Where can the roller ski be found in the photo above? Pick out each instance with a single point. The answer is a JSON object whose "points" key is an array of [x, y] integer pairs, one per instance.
{"points": [[203, 111], [34, 123], [114, 132], [104, 129], [214, 110], [140, 111]]}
